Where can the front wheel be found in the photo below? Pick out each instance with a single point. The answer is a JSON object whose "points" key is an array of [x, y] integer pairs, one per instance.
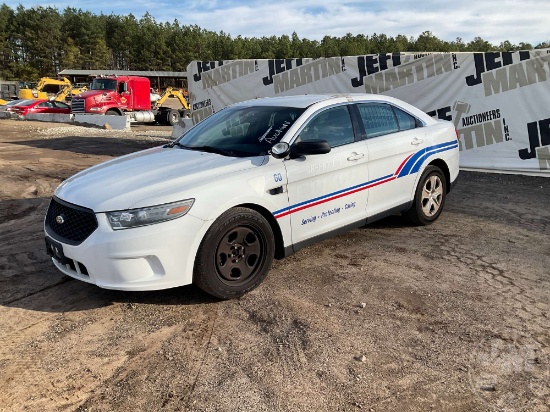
{"points": [[429, 197], [235, 254], [111, 112]]}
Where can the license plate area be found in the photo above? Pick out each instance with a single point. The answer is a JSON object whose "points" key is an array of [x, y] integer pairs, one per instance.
{"points": [[55, 250]]}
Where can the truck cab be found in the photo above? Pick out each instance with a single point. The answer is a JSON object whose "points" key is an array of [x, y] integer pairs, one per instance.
{"points": [[114, 95]]}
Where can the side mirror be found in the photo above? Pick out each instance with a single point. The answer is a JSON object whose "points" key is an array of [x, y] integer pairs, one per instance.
{"points": [[309, 147], [306, 147]]}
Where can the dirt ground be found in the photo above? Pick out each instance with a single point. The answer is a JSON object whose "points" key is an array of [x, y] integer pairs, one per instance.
{"points": [[389, 317]]}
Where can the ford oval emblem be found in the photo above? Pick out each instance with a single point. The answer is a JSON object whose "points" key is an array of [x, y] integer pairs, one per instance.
{"points": [[60, 219]]}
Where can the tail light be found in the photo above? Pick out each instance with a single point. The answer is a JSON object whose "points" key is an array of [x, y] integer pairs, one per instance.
{"points": [[456, 131]]}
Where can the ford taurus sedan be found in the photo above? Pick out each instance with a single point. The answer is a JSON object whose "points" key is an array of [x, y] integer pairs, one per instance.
{"points": [[255, 181]]}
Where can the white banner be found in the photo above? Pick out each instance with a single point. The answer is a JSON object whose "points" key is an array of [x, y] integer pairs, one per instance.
{"points": [[499, 101]]}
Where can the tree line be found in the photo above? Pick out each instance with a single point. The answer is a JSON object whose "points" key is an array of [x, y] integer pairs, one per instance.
{"points": [[42, 41]]}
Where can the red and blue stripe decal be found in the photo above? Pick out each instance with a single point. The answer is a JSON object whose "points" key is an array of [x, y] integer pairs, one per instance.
{"points": [[410, 165]]}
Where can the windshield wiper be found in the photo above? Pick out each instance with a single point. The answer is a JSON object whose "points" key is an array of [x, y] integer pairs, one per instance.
{"points": [[170, 145], [212, 149], [209, 149]]}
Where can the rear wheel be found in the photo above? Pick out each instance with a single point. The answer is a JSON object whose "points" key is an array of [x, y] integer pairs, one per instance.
{"points": [[429, 197], [173, 117], [235, 254]]}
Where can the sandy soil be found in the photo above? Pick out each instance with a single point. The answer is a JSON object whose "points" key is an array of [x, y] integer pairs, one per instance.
{"points": [[389, 317]]}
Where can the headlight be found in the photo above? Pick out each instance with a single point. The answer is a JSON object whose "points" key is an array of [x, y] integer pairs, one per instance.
{"points": [[125, 219]]}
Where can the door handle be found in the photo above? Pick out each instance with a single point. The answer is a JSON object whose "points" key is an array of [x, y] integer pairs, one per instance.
{"points": [[416, 141], [356, 156]]}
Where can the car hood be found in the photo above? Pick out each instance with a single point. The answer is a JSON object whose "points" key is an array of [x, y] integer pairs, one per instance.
{"points": [[146, 178]]}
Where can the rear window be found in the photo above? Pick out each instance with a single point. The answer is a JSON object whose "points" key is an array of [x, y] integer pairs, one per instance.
{"points": [[380, 119], [405, 120]]}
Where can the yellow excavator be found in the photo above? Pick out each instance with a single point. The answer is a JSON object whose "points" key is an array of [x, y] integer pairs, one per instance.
{"points": [[60, 89], [167, 115], [171, 92]]}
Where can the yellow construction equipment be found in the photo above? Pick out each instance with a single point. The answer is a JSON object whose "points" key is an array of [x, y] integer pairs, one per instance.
{"points": [[60, 89], [171, 92], [167, 115]]}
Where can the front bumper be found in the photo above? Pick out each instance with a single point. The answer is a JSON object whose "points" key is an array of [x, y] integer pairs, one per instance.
{"points": [[158, 256]]}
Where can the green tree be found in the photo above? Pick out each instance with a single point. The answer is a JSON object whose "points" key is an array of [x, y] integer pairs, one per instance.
{"points": [[401, 43], [479, 45], [268, 47], [525, 46], [121, 32], [427, 42], [6, 51], [34, 53], [284, 48], [458, 45], [88, 33], [351, 45], [330, 46]]}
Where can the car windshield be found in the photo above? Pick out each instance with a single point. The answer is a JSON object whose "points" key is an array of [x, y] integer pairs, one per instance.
{"points": [[104, 84], [20, 103], [241, 131]]}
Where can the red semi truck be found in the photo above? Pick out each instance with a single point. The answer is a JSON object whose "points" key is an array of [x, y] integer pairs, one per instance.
{"points": [[124, 95]]}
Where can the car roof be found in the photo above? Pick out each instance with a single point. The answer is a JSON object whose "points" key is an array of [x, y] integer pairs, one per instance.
{"points": [[323, 100], [34, 101], [306, 100], [302, 101]]}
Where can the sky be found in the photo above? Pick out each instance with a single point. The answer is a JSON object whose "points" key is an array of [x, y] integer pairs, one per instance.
{"points": [[493, 20]]}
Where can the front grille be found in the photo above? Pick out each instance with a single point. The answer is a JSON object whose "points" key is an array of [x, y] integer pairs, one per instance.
{"points": [[78, 105], [69, 223]]}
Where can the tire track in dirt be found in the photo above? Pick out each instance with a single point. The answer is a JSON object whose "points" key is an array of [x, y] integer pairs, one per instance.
{"points": [[25, 267], [162, 370], [124, 349], [506, 279], [521, 303], [519, 350]]}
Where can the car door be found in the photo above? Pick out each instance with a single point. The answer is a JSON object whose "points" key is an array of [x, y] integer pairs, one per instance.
{"points": [[326, 192], [42, 107], [59, 107], [393, 137]]}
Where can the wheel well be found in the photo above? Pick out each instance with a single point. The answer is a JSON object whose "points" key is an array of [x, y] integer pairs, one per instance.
{"points": [[277, 234], [445, 169], [114, 109]]}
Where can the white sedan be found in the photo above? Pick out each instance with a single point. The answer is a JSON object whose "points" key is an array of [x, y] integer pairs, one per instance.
{"points": [[255, 181]]}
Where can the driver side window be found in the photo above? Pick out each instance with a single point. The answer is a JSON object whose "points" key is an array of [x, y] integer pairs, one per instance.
{"points": [[332, 125]]}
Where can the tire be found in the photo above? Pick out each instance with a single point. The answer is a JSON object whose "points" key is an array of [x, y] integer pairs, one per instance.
{"points": [[172, 117], [429, 197], [112, 113], [235, 254]]}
